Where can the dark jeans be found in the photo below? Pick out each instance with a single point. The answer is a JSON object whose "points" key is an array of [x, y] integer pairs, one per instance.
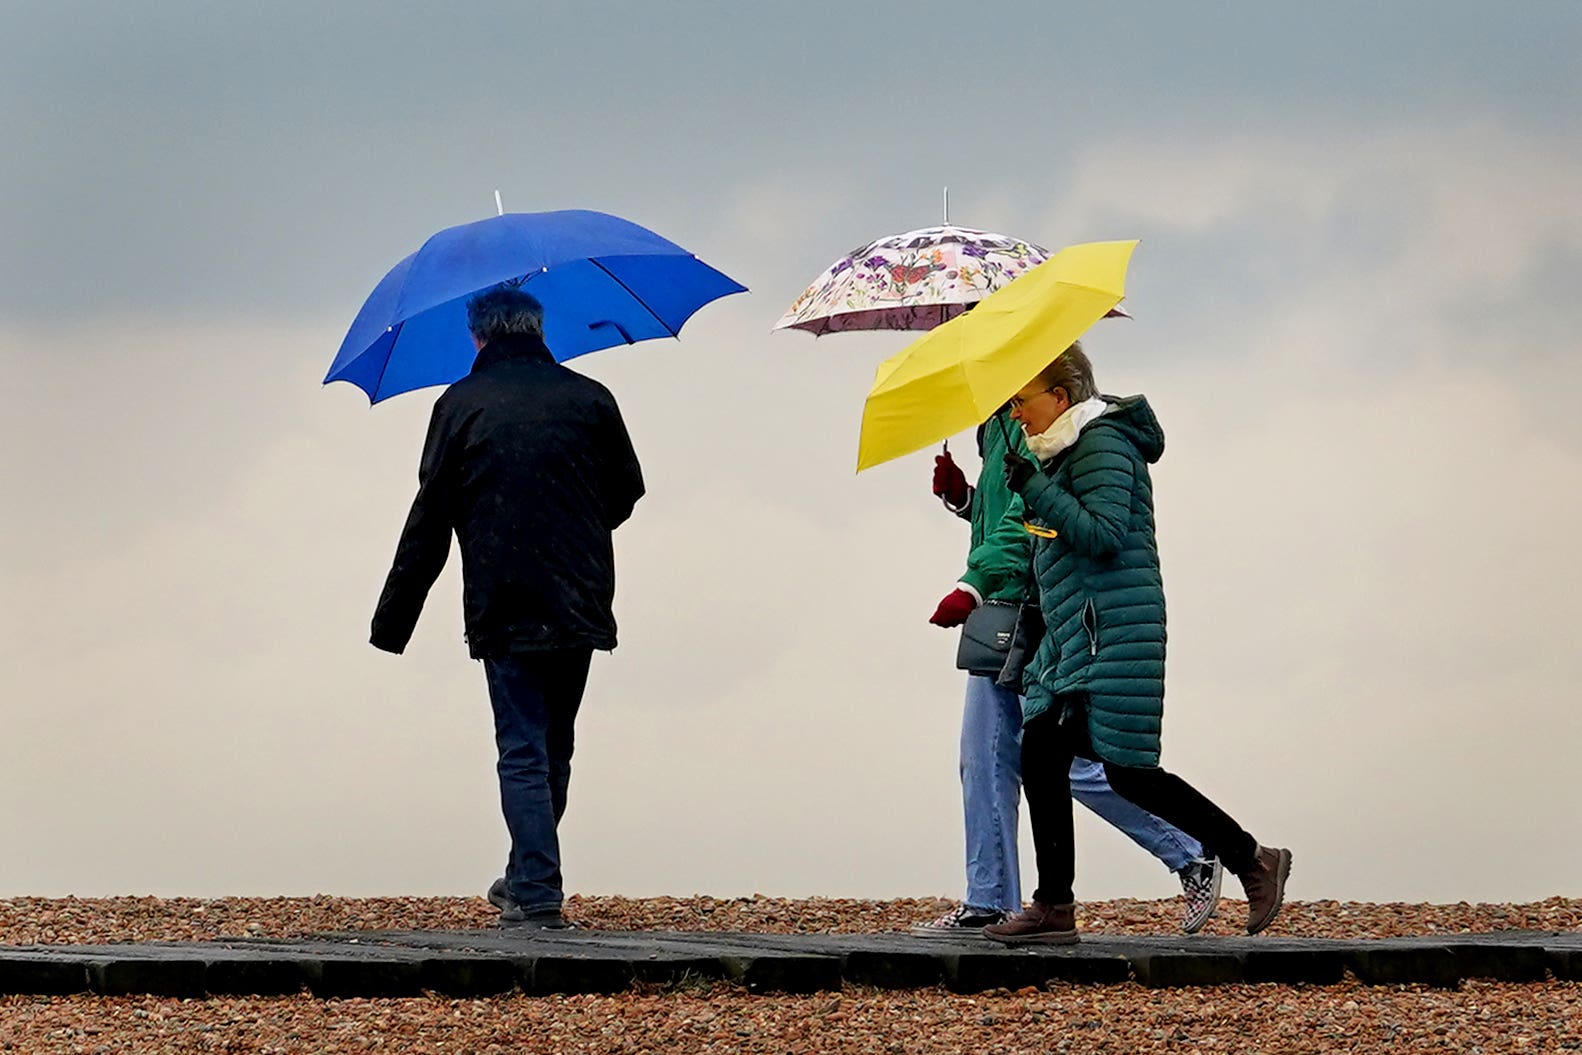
{"points": [[535, 697], [1047, 750]]}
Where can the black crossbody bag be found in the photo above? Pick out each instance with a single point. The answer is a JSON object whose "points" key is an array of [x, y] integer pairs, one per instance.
{"points": [[987, 637], [1024, 642], [999, 638]]}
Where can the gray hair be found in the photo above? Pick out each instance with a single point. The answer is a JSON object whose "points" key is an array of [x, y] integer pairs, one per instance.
{"points": [[1072, 372], [503, 310]]}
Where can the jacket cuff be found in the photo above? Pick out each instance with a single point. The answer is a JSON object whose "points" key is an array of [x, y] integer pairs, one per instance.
{"points": [[389, 639], [1036, 496], [971, 591]]}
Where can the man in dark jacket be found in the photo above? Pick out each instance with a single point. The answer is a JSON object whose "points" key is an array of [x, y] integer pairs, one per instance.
{"points": [[530, 465]]}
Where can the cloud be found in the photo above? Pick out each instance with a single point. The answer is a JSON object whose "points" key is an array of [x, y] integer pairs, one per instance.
{"points": [[1376, 241]]}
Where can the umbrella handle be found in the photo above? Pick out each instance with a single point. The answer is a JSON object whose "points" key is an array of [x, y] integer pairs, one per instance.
{"points": [[618, 329], [1004, 432]]}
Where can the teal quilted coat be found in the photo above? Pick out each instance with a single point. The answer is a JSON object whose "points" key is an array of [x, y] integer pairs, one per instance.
{"points": [[1100, 589]]}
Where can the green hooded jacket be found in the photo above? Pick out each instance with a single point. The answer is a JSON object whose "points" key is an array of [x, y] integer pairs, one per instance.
{"points": [[999, 564], [1101, 591]]}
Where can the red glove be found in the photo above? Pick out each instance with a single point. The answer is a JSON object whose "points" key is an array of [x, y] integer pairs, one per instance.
{"points": [[954, 609], [950, 483]]}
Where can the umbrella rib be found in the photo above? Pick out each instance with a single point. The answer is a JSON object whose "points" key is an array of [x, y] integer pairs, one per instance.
{"points": [[1091, 289], [635, 297], [374, 396], [966, 381]]}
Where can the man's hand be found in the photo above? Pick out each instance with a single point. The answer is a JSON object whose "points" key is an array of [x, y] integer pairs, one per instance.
{"points": [[1018, 471], [954, 609], [950, 483]]}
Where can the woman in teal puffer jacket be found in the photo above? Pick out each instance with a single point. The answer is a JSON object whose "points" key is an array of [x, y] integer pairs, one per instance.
{"points": [[1095, 688]]}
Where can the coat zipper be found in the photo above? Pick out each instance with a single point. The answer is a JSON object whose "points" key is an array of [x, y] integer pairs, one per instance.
{"points": [[1090, 623]]}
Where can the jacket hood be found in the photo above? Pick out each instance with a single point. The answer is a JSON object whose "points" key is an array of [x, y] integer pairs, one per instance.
{"points": [[1132, 416]]}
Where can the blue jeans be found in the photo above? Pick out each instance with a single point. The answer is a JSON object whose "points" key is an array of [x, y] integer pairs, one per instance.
{"points": [[535, 697], [991, 786]]}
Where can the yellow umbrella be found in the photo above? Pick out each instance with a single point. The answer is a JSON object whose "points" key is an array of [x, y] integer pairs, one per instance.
{"points": [[964, 370]]}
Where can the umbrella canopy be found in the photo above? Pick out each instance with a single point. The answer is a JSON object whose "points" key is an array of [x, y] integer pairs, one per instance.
{"points": [[602, 280], [911, 281], [957, 376]]}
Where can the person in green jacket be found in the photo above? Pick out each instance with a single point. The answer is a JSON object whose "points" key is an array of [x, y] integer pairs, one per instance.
{"points": [[1095, 687], [999, 570]]}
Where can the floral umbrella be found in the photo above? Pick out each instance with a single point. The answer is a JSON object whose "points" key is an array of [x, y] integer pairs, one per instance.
{"points": [[911, 281]]}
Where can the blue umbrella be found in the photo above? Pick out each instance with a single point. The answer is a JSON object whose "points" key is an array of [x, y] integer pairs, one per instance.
{"points": [[602, 280]]}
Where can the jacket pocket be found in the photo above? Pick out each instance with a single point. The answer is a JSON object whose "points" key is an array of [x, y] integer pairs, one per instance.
{"points": [[1090, 623]]}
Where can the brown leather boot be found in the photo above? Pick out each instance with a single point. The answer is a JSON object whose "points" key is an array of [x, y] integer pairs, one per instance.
{"points": [[1265, 886], [1039, 924]]}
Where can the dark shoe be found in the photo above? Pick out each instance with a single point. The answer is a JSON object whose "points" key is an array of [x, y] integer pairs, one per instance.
{"points": [[1265, 886], [1200, 882], [513, 915], [516, 919], [1040, 924], [961, 922]]}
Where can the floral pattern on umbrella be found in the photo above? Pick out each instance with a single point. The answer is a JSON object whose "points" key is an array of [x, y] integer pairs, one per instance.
{"points": [[911, 281]]}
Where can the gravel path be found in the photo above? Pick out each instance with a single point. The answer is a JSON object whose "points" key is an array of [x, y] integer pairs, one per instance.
{"points": [[25, 921], [1480, 1017]]}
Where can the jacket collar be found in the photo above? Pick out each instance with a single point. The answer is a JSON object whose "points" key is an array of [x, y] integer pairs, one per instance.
{"points": [[523, 346]]}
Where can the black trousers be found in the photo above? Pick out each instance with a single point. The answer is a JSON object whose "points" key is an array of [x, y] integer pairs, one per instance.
{"points": [[1047, 750]]}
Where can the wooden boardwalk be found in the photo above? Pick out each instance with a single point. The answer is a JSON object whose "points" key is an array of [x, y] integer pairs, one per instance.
{"points": [[492, 961]]}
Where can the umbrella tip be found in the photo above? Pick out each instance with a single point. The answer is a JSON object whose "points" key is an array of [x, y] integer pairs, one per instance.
{"points": [[499, 206]]}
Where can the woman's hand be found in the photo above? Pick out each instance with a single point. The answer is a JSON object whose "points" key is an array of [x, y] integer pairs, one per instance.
{"points": [[950, 483], [1018, 471], [954, 609]]}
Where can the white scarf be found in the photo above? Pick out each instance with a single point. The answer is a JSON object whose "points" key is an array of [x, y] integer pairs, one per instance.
{"points": [[1066, 428]]}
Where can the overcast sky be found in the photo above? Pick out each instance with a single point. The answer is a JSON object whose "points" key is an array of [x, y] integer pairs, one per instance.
{"points": [[1355, 313]]}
